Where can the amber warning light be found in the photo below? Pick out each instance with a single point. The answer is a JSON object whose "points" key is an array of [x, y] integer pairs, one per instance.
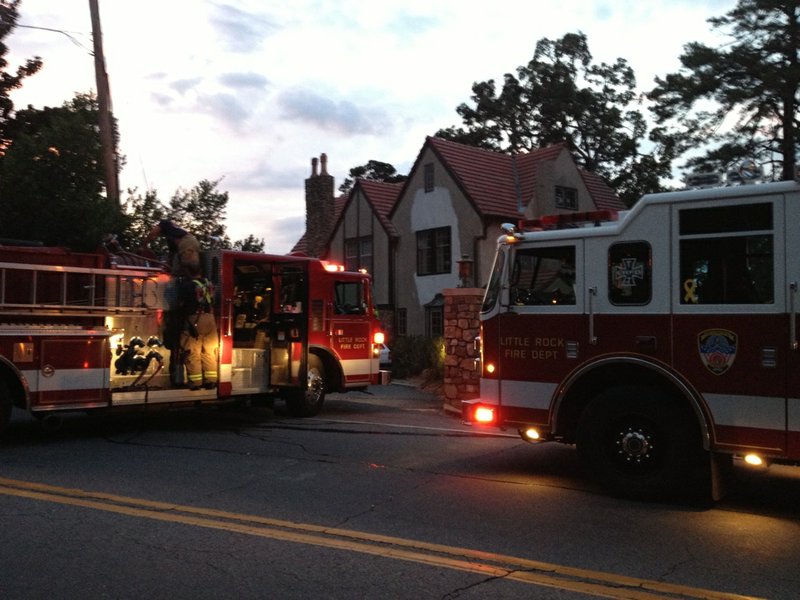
{"points": [[332, 268]]}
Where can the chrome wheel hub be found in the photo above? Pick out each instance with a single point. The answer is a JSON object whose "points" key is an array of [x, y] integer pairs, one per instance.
{"points": [[634, 446]]}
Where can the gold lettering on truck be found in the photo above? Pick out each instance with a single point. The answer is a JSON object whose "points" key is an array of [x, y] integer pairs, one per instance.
{"points": [[526, 348]]}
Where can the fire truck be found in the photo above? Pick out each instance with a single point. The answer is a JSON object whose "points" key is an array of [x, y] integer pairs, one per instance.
{"points": [[84, 331], [661, 341]]}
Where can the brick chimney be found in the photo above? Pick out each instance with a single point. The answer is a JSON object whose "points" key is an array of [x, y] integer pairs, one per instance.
{"points": [[319, 207]]}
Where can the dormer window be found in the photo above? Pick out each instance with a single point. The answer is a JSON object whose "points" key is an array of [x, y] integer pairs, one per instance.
{"points": [[566, 198]]}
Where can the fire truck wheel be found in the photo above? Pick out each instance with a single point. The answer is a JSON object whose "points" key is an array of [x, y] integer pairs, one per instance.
{"points": [[5, 406], [637, 442], [308, 402]]}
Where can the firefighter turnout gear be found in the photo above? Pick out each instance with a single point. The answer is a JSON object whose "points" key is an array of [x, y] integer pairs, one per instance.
{"points": [[199, 341], [184, 249], [202, 350]]}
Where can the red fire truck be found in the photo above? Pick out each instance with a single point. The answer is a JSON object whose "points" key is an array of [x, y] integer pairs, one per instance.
{"points": [[661, 341], [87, 331]]}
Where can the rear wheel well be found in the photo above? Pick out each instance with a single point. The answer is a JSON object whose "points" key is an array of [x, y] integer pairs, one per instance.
{"points": [[599, 379]]}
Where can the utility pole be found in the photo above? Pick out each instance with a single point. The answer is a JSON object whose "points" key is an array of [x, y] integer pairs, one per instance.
{"points": [[104, 103]]}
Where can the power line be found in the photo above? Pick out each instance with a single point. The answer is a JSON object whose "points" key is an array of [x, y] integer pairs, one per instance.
{"points": [[68, 34]]}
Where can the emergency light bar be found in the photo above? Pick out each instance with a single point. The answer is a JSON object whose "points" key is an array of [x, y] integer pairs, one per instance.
{"points": [[564, 220]]}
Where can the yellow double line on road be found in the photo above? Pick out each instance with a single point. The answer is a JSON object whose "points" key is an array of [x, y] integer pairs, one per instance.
{"points": [[488, 564]]}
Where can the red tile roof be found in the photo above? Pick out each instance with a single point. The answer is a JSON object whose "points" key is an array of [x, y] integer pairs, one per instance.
{"points": [[497, 184], [604, 197], [382, 196]]}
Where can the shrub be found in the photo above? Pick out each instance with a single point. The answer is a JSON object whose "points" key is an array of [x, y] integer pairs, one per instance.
{"points": [[411, 355]]}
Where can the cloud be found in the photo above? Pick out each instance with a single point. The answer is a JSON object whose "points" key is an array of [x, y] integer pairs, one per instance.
{"points": [[244, 81], [184, 85], [405, 24], [265, 175], [230, 105], [241, 31], [162, 100], [341, 116], [226, 107]]}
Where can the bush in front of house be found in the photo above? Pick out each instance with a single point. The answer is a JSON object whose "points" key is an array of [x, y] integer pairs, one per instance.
{"points": [[414, 354]]}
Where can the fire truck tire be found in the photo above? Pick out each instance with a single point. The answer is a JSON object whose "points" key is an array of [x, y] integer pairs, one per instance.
{"points": [[638, 443], [5, 406], [308, 402]]}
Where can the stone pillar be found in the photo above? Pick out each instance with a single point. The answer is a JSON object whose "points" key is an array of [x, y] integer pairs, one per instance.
{"points": [[462, 307]]}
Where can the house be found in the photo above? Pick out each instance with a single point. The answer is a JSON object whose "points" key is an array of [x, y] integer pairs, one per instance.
{"points": [[415, 237]]}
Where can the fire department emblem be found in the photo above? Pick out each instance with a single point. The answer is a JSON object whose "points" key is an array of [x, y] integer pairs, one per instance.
{"points": [[717, 349]]}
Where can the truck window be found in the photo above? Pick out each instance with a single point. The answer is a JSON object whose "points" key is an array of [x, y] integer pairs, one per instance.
{"points": [[719, 263], [495, 281], [349, 298], [541, 276], [630, 277]]}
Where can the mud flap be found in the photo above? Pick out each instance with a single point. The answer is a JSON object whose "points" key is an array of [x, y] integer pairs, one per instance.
{"points": [[721, 465]]}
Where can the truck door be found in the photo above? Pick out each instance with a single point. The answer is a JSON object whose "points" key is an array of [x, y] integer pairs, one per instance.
{"points": [[351, 330], [792, 347], [247, 323], [730, 322], [288, 325], [542, 326]]}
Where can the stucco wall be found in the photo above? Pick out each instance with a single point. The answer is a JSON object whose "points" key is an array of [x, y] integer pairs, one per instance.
{"points": [[561, 172], [419, 210]]}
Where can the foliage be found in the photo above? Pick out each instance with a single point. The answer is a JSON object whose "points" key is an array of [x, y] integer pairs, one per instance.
{"points": [[250, 244], [201, 210], [752, 84], [560, 96], [411, 355], [9, 15], [188, 208], [51, 177], [374, 170]]}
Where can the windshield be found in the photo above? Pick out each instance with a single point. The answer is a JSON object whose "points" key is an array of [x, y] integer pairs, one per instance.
{"points": [[495, 281]]}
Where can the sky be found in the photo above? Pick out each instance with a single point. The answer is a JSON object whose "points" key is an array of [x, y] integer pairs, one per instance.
{"points": [[247, 92]]}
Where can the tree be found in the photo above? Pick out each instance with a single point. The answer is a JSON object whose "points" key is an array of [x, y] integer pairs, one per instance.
{"points": [[9, 15], [51, 179], [374, 170], [250, 244], [201, 210], [142, 212], [561, 96], [752, 84]]}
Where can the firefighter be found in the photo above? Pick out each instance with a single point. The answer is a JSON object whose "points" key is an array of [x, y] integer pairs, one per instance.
{"points": [[199, 344], [184, 250]]}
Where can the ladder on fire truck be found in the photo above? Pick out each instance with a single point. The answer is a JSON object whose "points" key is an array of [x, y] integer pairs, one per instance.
{"points": [[53, 290]]}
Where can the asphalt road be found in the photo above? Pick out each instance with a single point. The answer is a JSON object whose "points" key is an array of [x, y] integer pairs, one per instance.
{"points": [[382, 496]]}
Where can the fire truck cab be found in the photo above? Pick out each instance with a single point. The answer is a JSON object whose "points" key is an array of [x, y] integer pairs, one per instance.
{"points": [[662, 341], [81, 331]]}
